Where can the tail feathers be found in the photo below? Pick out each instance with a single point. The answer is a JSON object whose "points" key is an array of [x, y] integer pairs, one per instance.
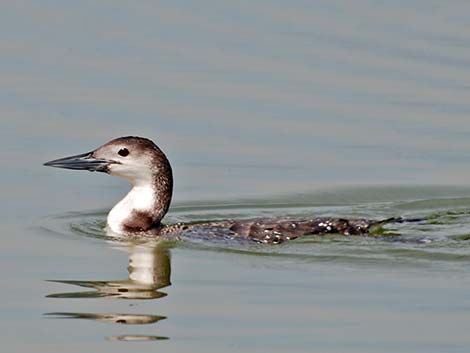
{"points": [[401, 220], [376, 228]]}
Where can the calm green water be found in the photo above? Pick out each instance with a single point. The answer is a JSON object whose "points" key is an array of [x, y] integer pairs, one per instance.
{"points": [[300, 108]]}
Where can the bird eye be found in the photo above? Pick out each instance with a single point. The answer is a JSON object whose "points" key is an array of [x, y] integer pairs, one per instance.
{"points": [[123, 152]]}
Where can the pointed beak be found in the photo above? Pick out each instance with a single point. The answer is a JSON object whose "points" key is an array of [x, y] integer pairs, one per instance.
{"points": [[84, 161]]}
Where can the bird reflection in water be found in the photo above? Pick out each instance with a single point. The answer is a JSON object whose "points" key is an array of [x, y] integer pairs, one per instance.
{"points": [[149, 271]]}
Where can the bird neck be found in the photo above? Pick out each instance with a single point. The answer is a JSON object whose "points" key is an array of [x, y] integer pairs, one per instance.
{"points": [[143, 208]]}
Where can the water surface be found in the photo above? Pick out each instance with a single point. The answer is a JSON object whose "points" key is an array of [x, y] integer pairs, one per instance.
{"points": [[323, 108]]}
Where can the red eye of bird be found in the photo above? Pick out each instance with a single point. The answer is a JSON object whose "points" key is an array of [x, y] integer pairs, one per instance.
{"points": [[123, 152]]}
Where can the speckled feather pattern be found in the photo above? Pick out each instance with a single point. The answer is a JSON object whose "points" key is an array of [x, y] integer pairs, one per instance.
{"points": [[263, 230]]}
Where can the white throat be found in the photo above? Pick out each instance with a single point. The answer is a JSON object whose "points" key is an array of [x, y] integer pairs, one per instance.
{"points": [[140, 198]]}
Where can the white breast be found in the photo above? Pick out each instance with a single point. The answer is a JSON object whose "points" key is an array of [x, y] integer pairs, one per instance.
{"points": [[140, 198]]}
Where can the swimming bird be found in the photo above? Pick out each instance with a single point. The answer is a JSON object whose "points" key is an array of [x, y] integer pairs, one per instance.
{"points": [[140, 213]]}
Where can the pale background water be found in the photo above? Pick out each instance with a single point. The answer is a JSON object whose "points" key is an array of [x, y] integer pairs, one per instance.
{"points": [[265, 108]]}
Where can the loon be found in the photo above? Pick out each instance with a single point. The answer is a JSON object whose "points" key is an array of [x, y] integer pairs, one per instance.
{"points": [[139, 214]]}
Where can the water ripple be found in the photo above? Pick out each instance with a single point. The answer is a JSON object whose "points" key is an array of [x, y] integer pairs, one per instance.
{"points": [[444, 237]]}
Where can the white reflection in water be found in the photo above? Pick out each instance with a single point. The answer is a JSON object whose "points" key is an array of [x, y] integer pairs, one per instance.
{"points": [[149, 270]]}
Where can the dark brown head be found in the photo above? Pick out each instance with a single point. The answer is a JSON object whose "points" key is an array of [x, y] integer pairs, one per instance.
{"points": [[136, 159]]}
